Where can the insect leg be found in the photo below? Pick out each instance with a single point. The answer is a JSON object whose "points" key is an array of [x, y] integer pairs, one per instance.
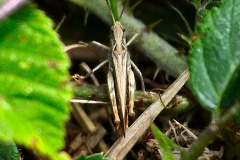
{"points": [[98, 47], [131, 39], [131, 90], [139, 74], [94, 69], [112, 94]]}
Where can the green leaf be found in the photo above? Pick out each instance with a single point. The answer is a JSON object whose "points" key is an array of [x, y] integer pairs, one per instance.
{"points": [[34, 100], [97, 156], [215, 57], [9, 151], [165, 144], [113, 5]]}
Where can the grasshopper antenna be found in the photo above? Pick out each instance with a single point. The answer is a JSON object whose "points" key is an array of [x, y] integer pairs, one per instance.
{"points": [[111, 11], [123, 9]]}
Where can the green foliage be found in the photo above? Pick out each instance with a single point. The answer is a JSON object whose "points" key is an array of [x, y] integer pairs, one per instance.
{"points": [[215, 58], [2, 1], [214, 63], [9, 151], [97, 156], [33, 95], [208, 4], [165, 144], [113, 5]]}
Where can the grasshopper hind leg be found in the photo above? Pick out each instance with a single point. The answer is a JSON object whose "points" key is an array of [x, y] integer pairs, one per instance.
{"points": [[131, 90], [112, 94]]}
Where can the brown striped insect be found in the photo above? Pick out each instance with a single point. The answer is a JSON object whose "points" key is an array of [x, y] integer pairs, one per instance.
{"points": [[120, 78]]}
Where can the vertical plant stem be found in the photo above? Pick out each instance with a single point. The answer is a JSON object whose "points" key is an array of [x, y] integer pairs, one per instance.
{"points": [[209, 134]]}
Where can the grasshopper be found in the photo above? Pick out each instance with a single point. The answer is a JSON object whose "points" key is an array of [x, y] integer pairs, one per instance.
{"points": [[120, 78]]}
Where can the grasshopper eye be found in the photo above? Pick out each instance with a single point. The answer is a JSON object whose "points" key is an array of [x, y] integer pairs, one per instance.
{"points": [[123, 28], [113, 28]]}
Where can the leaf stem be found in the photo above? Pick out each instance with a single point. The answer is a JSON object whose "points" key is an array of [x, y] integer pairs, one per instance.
{"points": [[209, 134]]}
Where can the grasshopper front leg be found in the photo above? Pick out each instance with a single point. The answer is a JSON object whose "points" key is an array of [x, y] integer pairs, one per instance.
{"points": [[95, 69]]}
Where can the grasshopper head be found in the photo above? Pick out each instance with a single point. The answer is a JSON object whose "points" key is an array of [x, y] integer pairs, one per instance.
{"points": [[118, 32]]}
